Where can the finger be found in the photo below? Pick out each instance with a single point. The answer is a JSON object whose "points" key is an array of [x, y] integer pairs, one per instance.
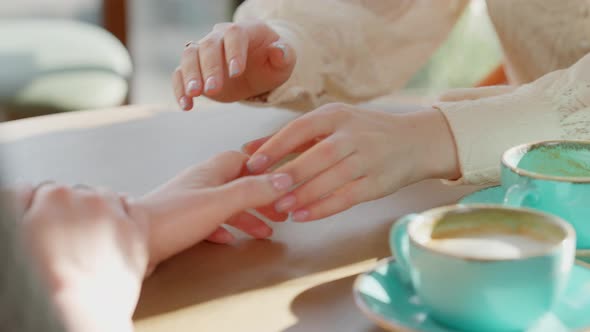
{"points": [[191, 71], [337, 176], [221, 236], [319, 158], [251, 225], [235, 41], [270, 213], [226, 166], [252, 192], [211, 58], [251, 147], [281, 55], [178, 85], [303, 130], [343, 199], [113, 199]]}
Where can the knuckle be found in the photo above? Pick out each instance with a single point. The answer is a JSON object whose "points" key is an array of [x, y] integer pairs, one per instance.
{"points": [[189, 52], [233, 29], [58, 192], [330, 150], [208, 42], [213, 68], [95, 200], [300, 124], [354, 168]]}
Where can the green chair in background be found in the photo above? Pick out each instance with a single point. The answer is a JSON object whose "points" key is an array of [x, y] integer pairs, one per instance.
{"points": [[51, 66]]}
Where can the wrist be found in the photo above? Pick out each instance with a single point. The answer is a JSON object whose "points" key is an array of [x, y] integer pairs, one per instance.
{"points": [[438, 156], [165, 212], [80, 311]]}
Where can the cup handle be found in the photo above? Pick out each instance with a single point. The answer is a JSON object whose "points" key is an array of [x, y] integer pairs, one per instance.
{"points": [[399, 242], [516, 194]]}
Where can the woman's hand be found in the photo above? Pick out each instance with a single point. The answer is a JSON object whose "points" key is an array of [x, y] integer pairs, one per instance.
{"points": [[351, 156], [91, 249], [233, 62], [193, 205]]}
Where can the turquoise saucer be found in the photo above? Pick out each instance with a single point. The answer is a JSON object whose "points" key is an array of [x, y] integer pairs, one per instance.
{"points": [[491, 195], [393, 305]]}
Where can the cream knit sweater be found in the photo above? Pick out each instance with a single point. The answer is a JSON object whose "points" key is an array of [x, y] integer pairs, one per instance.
{"points": [[356, 50]]}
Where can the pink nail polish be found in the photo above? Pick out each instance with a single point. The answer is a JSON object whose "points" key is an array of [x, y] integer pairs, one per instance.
{"points": [[300, 215], [192, 87], [285, 203], [183, 101], [210, 84], [281, 182], [257, 163], [234, 68], [281, 47]]}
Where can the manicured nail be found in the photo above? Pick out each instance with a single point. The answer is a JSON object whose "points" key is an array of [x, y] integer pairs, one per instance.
{"points": [[226, 237], [281, 47], [183, 101], [300, 215], [281, 182], [192, 87], [285, 203], [257, 163], [210, 84], [262, 232], [234, 68], [244, 147]]}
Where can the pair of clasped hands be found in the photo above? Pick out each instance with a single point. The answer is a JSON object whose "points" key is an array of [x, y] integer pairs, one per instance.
{"points": [[93, 245]]}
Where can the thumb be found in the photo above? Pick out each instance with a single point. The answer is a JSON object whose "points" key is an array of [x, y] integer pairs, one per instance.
{"points": [[281, 55], [253, 191]]}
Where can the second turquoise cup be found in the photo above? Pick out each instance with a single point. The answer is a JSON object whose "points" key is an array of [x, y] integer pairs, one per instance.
{"points": [[554, 177]]}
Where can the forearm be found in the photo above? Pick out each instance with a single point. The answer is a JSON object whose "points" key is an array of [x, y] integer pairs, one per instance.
{"points": [[553, 107], [175, 220]]}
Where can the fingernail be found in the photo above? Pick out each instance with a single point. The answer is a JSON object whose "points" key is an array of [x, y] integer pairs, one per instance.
{"points": [[244, 147], [234, 68], [183, 101], [285, 203], [281, 182], [281, 47], [262, 232], [226, 237], [257, 163], [300, 215], [211, 84], [192, 87]]}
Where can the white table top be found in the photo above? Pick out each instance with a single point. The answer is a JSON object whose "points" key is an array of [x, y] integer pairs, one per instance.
{"points": [[299, 281]]}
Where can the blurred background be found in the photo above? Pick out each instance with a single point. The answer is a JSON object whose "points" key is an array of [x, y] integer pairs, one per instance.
{"points": [[66, 55]]}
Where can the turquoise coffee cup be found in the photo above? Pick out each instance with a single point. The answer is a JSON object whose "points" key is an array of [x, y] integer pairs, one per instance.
{"points": [[484, 267], [554, 177]]}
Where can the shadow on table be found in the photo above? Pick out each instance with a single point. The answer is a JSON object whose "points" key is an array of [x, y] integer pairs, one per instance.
{"points": [[186, 280], [331, 299]]}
